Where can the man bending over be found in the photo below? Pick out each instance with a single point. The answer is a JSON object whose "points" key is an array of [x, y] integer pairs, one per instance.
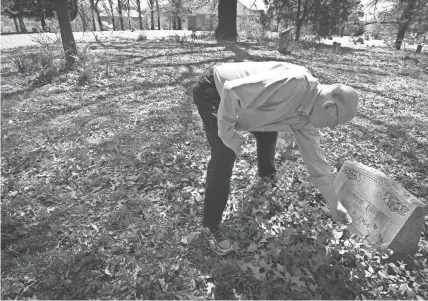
{"points": [[265, 98]]}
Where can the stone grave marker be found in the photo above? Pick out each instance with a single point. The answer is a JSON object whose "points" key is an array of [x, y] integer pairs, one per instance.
{"points": [[383, 212], [284, 40], [336, 47]]}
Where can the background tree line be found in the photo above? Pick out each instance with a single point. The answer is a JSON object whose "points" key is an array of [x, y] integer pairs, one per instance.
{"points": [[323, 17], [327, 17], [92, 13]]}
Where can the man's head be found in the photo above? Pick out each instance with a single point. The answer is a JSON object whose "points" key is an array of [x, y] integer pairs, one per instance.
{"points": [[335, 104]]}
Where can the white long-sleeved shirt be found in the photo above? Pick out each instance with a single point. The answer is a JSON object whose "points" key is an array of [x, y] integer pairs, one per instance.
{"points": [[271, 96]]}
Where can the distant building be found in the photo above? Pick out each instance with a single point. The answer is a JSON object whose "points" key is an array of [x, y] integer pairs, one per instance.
{"points": [[205, 17], [130, 20]]}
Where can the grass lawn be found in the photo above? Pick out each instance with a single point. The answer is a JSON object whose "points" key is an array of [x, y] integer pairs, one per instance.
{"points": [[103, 173]]}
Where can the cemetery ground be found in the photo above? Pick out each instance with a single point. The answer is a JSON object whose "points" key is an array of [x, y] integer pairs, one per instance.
{"points": [[103, 173]]}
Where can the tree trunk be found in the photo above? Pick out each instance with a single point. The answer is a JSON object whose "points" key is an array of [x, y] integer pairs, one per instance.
{"points": [[67, 37], [317, 14], [175, 13], [152, 17], [179, 25], [226, 28], [300, 19], [82, 16], [119, 10], [94, 25], [112, 14], [129, 16], [16, 24], [158, 12], [140, 18], [72, 9], [21, 24], [405, 19], [72, 6], [97, 11]]}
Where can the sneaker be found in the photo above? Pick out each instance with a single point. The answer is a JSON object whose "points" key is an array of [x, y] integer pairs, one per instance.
{"points": [[290, 154], [218, 242]]}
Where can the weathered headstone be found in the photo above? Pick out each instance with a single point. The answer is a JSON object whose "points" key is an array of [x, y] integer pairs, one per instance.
{"points": [[336, 47], [284, 40], [383, 212], [419, 49]]}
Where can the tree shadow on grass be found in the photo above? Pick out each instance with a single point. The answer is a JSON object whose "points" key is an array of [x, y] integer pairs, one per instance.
{"points": [[146, 156]]}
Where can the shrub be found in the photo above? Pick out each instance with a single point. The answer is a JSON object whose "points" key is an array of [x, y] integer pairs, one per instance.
{"points": [[85, 61], [32, 61], [359, 30], [142, 37], [21, 63], [45, 61], [46, 75], [84, 77]]}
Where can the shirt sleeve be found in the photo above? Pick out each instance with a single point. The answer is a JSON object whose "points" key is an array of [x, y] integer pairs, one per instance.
{"points": [[246, 93], [313, 155]]}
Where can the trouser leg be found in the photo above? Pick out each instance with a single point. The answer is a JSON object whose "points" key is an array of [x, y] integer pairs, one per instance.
{"points": [[222, 159], [266, 144]]}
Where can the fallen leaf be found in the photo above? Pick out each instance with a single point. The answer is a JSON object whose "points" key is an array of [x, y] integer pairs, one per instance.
{"points": [[278, 274], [337, 234], [107, 272], [13, 193], [252, 247], [163, 285], [296, 281], [162, 267]]}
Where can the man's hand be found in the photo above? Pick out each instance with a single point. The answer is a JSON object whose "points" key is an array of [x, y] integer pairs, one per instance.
{"points": [[338, 212]]}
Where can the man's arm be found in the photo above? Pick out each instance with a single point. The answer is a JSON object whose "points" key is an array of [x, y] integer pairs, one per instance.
{"points": [[313, 155], [246, 93], [227, 115]]}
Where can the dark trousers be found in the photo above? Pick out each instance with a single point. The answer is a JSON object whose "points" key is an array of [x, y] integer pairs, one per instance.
{"points": [[220, 166]]}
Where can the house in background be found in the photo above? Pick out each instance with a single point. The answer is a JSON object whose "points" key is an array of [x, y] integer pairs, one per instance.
{"points": [[205, 17], [130, 20], [202, 18]]}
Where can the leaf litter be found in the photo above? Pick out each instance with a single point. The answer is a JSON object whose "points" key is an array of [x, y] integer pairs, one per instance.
{"points": [[102, 184]]}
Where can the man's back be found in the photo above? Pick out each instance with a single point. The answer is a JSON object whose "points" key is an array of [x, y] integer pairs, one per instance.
{"points": [[231, 71]]}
